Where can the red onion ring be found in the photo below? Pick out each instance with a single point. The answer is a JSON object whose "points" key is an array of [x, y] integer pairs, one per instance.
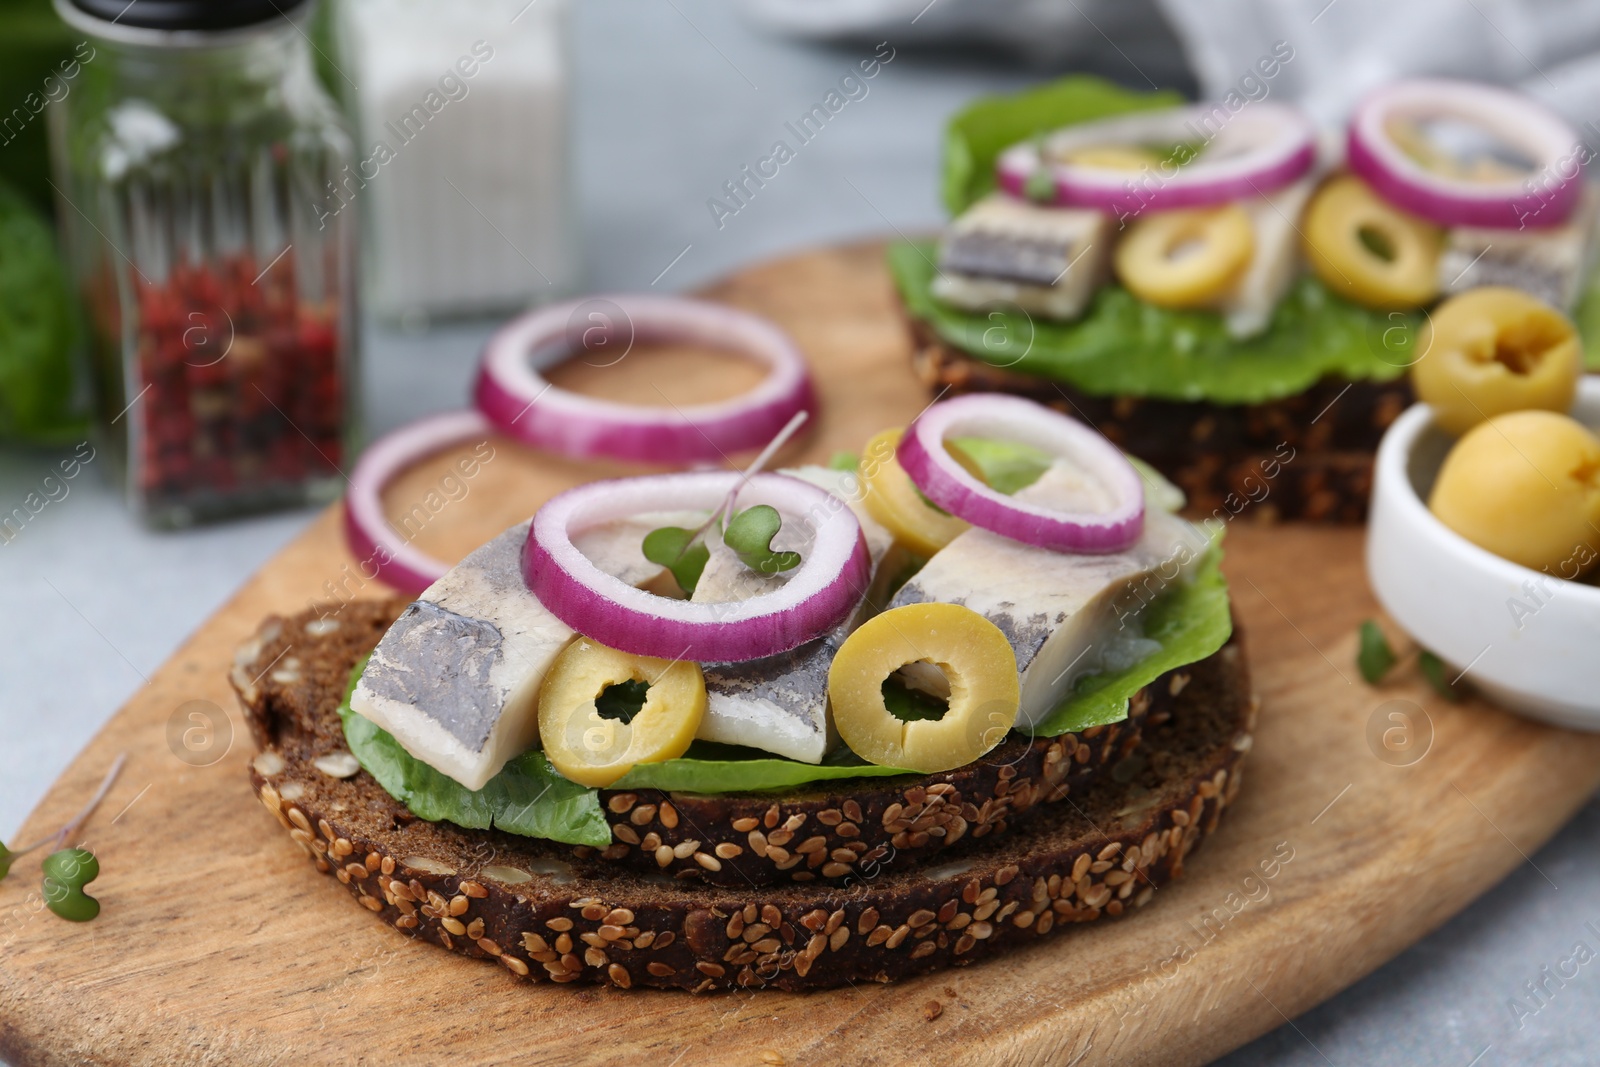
{"points": [[525, 405], [366, 529], [1518, 120], [944, 481], [1261, 148], [820, 594]]}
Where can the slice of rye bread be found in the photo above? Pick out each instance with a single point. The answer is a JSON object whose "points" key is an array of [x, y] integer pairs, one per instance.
{"points": [[828, 831], [545, 913], [1307, 456]]}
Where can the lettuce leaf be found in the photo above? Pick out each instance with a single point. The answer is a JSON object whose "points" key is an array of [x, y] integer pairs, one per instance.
{"points": [[713, 768], [529, 797], [1122, 347], [1190, 621], [1587, 317], [989, 125]]}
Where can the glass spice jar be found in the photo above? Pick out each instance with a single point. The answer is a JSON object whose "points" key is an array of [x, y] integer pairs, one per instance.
{"points": [[191, 163]]}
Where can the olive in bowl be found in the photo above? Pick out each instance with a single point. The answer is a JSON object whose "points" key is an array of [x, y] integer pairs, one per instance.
{"points": [[1526, 637]]}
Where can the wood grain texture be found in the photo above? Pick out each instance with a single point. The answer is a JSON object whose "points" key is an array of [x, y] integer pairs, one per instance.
{"points": [[219, 944]]}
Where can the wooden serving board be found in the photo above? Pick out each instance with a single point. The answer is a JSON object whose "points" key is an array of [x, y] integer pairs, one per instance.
{"points": [[219, 943]]}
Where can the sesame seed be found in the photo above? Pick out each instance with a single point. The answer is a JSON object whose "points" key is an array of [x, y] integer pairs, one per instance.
{"points": [[746, 824], [932, 1010], [668, 816], [728, 850], [622, 803]]}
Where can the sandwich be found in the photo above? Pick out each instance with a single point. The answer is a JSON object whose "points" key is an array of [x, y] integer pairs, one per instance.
{"points": [[1223, 289], [787, 729]]}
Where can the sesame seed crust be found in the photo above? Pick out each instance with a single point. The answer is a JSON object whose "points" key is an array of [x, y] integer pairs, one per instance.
{"points": [[545, 913]]}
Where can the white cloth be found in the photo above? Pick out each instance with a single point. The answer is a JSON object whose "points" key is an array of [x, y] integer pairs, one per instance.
{"points": [[1342, 48], [1345, 47]]}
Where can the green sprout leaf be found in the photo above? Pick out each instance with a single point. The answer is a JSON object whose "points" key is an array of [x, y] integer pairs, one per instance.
{"points": [[676, 549], [1040, 185], [66, 872], [1433, 670], [844, 461], [750, 533], [1375, 657], [7, 858]]}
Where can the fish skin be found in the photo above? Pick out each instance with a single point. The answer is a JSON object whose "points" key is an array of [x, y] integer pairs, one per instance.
{"points": [[1053, 607], [780, 703]]}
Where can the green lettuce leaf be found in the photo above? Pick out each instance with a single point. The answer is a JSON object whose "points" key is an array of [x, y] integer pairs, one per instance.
{"points": [[1587, 317], [713, 768], [989, 125], [1190, 621], [1122, 347]]}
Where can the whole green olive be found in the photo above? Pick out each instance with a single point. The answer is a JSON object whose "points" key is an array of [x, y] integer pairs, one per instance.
{"points": [[1526, 486], [1493, 350]]}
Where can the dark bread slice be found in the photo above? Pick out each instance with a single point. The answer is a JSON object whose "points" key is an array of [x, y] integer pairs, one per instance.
{"points": [[1307, 456], [832, 831], [546, 913]]}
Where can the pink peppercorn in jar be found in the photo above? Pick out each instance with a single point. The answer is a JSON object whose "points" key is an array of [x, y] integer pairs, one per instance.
{"points": [[191, 161]]}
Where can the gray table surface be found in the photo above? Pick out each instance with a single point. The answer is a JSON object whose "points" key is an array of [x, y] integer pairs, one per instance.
{"points": [[671, 98]]}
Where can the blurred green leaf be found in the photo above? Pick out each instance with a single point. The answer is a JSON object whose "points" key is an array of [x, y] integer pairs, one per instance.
{"points": [[1374, 656]]}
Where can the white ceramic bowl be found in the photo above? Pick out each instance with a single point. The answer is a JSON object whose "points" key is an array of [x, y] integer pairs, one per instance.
{"points": [[1528, 641]]}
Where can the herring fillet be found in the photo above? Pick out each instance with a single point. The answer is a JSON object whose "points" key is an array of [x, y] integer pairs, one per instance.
{"points": [[1552, 263], [1060, 611], [456, 678], [1248, 304], [1046, 260], [779, 703]]}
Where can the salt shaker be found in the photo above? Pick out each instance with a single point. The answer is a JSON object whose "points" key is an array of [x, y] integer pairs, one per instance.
{"points": [[460, 111]]}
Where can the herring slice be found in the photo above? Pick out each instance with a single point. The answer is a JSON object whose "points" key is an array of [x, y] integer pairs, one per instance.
{"points": [[1248, 306], [1550, 263], [1065, 614], [456, 678], [1046, 260], [780, 703]]}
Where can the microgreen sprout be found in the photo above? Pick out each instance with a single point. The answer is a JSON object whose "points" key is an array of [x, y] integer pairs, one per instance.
{"points": [[68, 870], [684, 552]]}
